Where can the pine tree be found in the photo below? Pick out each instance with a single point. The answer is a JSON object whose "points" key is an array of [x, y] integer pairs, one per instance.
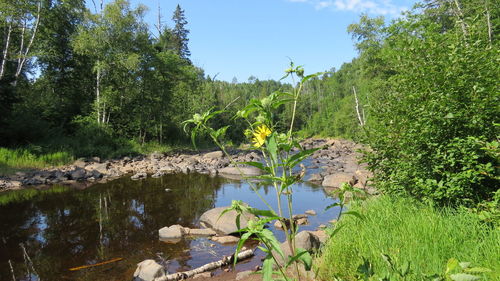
{"points": [[180, 34]]}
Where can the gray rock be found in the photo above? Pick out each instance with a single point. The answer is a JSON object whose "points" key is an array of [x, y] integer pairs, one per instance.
{"points": [[304, 240], [139, 176], [77, 174], [80, 163], [172, 232], [321, 235], [100, 167], [336, 180], [167, 169], [148, 270], [201, 232], [96, 174], [238, 173], [213, 155], [155, 155], [225, 224], [158, 174], [310, 212], [307, 241], [315, 178]]}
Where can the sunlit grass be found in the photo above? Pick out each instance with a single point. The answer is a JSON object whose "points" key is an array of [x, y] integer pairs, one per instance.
{"points": [[12, 160], [408, 231]]}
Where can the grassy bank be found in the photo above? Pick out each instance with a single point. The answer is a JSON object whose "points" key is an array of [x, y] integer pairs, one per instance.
{"points": [[409, 232], [13, 160]]}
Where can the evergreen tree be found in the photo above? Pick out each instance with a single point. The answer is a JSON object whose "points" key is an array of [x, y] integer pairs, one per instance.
{"points": [[180, 34]]}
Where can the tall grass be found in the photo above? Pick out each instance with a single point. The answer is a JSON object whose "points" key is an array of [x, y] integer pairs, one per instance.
{"points": [[408, 231], [14, 159]]}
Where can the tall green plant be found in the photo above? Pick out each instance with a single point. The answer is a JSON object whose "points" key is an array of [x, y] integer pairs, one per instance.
{"points": [[277, 170]]}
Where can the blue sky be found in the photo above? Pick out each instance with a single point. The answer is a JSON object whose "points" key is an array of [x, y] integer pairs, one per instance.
{"points": [[240, 38]]}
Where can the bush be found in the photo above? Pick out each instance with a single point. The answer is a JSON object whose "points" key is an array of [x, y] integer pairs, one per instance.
{"points": [[409, 232], [430, 128]]}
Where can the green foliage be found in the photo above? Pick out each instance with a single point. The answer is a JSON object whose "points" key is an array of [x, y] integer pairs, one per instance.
{"points": [[402, 239], [429, 128]]}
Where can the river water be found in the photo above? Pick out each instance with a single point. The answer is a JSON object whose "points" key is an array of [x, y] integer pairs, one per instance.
{"points": [[44, 233]]}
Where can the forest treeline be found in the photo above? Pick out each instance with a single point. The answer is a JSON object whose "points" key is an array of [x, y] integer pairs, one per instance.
{"points": [[423, 91]]}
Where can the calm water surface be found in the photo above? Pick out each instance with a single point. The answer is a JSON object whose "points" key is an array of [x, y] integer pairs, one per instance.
{"points": [[61, 227]]}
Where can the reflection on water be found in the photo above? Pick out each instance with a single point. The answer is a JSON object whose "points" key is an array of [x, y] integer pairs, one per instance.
{"points": [[62, 228]]}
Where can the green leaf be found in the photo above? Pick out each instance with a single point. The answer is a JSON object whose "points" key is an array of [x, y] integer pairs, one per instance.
{"points": [[297, 158], [366, 268], [263, 213], [333, 205], [354, 213], [242, 241], [271, 240], [451, 265], [272, 147], [464, 277], [267, 268], [477, 270], [257, 165], [464, 265], [305, 257], [335, 230]]}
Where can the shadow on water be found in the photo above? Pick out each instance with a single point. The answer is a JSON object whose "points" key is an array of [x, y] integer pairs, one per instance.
{"points": [[62, 227]]}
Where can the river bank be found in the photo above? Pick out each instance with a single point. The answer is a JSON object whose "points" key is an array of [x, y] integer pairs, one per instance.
{"points": [[335, 162]]}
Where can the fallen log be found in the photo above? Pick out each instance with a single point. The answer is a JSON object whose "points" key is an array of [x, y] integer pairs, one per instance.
{"points": [[207, 267]]}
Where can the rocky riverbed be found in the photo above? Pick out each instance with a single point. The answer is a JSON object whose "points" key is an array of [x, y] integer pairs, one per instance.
{"points": [[335, 163]]}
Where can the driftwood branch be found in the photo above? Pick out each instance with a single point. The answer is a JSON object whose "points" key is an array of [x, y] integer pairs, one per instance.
{"points": [[207, 267]]}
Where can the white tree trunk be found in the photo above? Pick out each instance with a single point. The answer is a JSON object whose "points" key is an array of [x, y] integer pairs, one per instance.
{"points": [[360, 118], [5, 52], [488, 21], [98, 94], [23, 54]]}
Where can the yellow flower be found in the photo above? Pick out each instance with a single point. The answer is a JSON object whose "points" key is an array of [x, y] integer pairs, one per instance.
{"points": [[260, 135]]}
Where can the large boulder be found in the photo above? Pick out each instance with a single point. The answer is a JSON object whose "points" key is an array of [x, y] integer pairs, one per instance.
{"points": [[148, 270], [304, 240], [225, 224], [171, 232], [336, 180]]}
